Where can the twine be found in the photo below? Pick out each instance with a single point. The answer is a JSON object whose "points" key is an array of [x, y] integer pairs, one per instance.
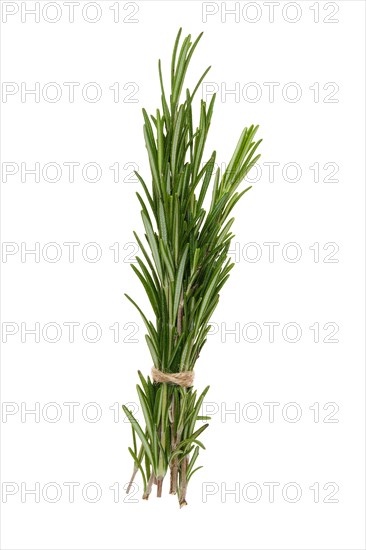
{"points": [[184, 379]]}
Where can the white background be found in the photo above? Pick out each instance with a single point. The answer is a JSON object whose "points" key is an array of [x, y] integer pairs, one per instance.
{"points": [[323, 128]]}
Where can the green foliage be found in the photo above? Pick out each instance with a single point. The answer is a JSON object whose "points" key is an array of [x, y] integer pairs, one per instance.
{"points": [[188, 264], [184, 265]]}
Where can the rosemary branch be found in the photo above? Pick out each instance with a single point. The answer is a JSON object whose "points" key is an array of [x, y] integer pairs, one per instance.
{"points": [[182, 269]]}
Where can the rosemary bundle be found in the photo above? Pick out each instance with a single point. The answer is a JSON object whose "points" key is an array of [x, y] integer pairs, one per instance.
{"points": [[183, 267]]}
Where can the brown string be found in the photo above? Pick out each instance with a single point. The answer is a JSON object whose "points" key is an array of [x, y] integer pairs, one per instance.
{"points": [[184, 379]]}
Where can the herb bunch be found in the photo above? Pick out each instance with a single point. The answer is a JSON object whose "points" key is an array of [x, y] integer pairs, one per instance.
{"points": [[184, 265]]}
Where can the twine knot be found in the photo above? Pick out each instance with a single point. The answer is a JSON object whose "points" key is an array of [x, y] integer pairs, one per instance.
{"points": [[183, 379]]}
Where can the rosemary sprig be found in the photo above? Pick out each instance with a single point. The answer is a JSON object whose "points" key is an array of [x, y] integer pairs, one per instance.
{"points": [[183, 267]]}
